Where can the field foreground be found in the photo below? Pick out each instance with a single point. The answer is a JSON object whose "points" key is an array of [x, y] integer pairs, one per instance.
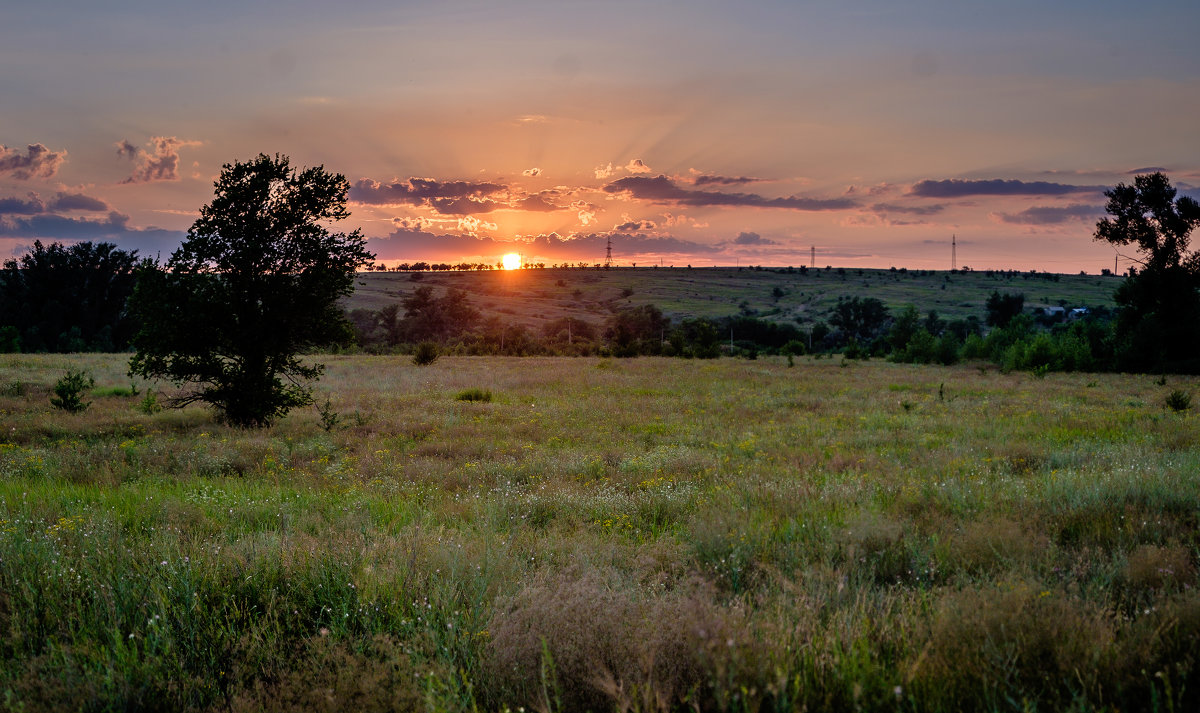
{"points": [[645, 534]]}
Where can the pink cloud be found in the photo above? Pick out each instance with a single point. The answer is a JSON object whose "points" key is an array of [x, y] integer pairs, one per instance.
{"points": [[38, 162]]}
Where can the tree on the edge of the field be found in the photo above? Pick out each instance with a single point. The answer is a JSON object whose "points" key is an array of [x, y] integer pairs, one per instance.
{"points": [[254, 285], [1158, 324], [67, 298]]}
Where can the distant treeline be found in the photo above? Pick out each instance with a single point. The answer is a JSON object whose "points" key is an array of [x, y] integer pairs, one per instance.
{"points": [[60, 298], [73, 298], [856, 328]]}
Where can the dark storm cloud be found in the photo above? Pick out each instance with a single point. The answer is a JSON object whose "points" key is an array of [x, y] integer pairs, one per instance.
{"points": [[162, 165], [1050, 215], [38, 162], [958, 188], [711, 180], [661, 189], [908, 209], [632, 225], [752, 239]]}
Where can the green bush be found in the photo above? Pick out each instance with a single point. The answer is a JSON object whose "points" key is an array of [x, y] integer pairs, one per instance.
{"points": [[474, 395], [68, 391], [1178, 400], [426, 353]]}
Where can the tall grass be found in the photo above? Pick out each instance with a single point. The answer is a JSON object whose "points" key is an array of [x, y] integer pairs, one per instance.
{"points": [[608, 535]]}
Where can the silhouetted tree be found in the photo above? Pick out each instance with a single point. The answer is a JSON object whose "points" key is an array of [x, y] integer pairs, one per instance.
{"points": [[1158, 325], [1001, 308], [68, 298], [254, 285], [860, 319]]}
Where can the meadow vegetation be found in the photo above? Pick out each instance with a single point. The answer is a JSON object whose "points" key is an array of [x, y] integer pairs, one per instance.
{"points": [[605, 534]]}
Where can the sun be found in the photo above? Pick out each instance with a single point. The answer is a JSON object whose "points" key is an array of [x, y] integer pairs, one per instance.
{"points": [[511, 261]]}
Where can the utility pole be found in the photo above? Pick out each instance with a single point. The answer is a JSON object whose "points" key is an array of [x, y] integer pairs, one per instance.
{"points": [[953, 253], [812, 260]]}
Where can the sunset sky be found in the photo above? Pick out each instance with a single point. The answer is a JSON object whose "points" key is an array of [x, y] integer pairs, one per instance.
{"points": [[692, 132]]}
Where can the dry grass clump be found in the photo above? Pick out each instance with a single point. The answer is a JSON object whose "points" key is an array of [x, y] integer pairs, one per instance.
{"points": [[874, 544], [583, 640], [988, 546], [1004, 645], [1155, 569], [328, 676]]}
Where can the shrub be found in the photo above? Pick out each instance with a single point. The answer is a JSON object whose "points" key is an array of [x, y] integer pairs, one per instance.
{"points": [[426, 353], [1178, 400], [474, 395], [69, 391], [149, 404]]}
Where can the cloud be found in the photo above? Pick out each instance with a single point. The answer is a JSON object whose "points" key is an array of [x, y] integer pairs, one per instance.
{"points": [[34, 205], [531, 172], [586, 212], [471, 225], [908, 209], [428, 192], [21, 206], [636, 166], [752, 239], [1052, 215], [604, 170], [661, 189], [958, 188], [75, 201], [38, 162], [1148, 169], [161, 165], [126, 149], [408, 244], [112, 228], [711, 180], [629, 225]]}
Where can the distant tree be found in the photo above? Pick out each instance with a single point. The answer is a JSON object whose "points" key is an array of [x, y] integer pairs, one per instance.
{"points": [[255, 284], [1001, 308], [637, 330], [860, 319], [67, 298], [1158, 325]]}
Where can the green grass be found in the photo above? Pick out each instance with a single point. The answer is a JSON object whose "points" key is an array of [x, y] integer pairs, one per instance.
{"points": [[608, 534], [534, 297]]}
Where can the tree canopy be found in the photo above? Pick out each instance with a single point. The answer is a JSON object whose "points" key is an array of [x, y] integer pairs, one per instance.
{"points": [[67, 298], [254, 285], [1158, 325]]}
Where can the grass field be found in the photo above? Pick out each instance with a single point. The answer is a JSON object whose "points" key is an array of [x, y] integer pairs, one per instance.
{"points": [[645, 534], [534, 297]]}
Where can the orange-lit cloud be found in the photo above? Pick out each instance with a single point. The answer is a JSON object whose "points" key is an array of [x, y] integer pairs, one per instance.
{"points": [[160, 164], [38, 162]]}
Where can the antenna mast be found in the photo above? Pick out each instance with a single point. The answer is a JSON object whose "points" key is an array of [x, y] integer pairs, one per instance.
{"points": [[953, 253], [608, 254], [812, 260]]}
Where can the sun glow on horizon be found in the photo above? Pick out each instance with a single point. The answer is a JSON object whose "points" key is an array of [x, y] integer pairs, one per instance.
{"points": [[511, 261]]}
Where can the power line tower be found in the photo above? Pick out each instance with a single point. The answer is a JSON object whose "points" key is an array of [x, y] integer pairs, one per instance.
{"points": [[608, 254], [953, 253]]}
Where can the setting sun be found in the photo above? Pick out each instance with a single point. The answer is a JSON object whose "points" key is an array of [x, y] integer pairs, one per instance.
{"points": [[511, 261]]}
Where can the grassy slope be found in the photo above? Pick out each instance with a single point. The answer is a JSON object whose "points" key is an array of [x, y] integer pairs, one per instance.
{"points": [[722, 532], [532, 297]]}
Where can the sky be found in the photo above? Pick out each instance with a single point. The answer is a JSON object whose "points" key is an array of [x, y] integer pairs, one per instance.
{"points": [[701, 133]]}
